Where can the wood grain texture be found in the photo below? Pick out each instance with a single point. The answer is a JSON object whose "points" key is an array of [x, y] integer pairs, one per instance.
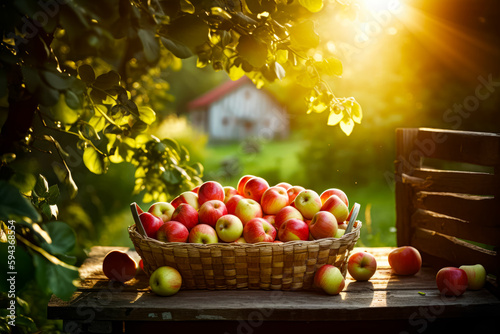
{"points": [[385, 296]]}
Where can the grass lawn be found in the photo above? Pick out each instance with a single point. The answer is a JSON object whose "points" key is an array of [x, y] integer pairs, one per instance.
{"points": [[277, 161]]}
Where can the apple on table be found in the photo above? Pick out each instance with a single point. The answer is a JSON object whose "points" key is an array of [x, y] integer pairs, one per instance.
{"points": [[165, 281], [119, 266], [329, 279], [362, 266], [476, 276], [451, 281], [405, 260]]}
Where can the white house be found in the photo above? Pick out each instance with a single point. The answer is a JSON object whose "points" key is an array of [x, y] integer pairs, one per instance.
{"points": [[237, 110]]}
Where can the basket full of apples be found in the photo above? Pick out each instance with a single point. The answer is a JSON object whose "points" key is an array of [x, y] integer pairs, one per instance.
{"points": [[254, 236]]}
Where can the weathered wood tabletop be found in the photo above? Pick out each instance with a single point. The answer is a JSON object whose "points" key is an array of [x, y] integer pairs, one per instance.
{"points": [[387, 303]]}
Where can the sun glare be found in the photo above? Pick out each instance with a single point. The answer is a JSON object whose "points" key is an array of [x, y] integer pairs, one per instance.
{"points": [[379, 5]]}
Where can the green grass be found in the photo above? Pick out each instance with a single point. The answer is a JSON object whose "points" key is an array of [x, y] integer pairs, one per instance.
{"points": [[277, 161]]}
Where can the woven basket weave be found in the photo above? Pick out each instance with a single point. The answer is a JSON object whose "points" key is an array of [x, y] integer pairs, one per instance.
{"points": [[268, 266]]}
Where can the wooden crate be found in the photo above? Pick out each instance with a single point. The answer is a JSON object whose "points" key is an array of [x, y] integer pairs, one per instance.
{"points": [[450, 213]]}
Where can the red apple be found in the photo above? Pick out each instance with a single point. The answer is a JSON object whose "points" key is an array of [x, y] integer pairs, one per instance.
{"points": [[258, 230], [284, 185], [323, 225], [288, 212], [173, 231], [247, 209], [293, 229], [329, 279], [405, 260], [336, 206], [187, 197], [228, 193], [210, 190], [362, 266], [308, 203], [119, 266], [273, 200], [162, 210], [293, 192], [151, 223], [139, 210], [186, 215], [270, 219], [231, 204], [254, 188], [241, 183], [211, 211], [451, 281], [196, 189], [334, 191], [203, 234]]}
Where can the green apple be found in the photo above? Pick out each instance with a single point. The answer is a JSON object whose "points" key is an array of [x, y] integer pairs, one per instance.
{"points": [[165, 281], [308, 203], [476, 276], [229, 228]]}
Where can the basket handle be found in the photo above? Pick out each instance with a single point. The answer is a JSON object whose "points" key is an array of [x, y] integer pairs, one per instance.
{"points": [[138, 223], [355, 211]]}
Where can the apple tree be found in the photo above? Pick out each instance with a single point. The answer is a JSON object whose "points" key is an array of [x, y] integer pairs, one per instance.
{"points": [[73, 71]]}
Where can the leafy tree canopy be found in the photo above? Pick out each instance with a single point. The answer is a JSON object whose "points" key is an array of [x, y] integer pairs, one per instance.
{"points": [[75, 68]]}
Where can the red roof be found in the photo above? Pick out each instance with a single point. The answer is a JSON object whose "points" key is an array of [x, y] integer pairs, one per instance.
{"points": [[217, 93]]}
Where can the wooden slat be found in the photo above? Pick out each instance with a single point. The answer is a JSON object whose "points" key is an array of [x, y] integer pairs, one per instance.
{"points": [[454, 251], [474, 183], [405, 163], [455, 227], [482, 211], [478, 148]]}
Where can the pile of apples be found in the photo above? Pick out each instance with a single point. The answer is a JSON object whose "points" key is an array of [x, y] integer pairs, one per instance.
{"points": [[250, 213]]}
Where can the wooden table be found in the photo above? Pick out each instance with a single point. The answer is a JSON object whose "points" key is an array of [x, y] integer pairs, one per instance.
{"points": [[387, 303]]}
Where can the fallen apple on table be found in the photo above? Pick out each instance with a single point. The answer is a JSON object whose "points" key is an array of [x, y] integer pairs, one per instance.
{"points": [[451, 281], [476, 276], [362, 266], [165, 281], [405, 260], [119, 266], [329, 279]]}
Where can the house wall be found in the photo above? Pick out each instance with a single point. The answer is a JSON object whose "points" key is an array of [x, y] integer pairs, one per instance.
{"points": [[246, 111]]}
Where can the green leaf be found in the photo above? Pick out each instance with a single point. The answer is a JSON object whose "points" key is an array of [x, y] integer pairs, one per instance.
{"points": [[53, 194], [235, 72], [62, 235], [313, 6], [149, 44], [72, 100], [13, 203], [62, 112], [56, 278], [332, 66], [41, 186], [107, 80], [94, 161], [335, 117], [178, 49], [254, 51], [64, 175], [147, 115], [56, 80], [279, 70], [347, 124], [198, 167], [356, 112], [86, 73], [187, 7], [303, 36]]}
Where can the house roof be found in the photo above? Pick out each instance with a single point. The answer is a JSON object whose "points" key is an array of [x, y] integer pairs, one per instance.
{"points": [[217, 93]]}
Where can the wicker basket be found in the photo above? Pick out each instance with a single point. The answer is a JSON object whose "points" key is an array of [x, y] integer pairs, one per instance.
{"points": [[276, 266]]}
